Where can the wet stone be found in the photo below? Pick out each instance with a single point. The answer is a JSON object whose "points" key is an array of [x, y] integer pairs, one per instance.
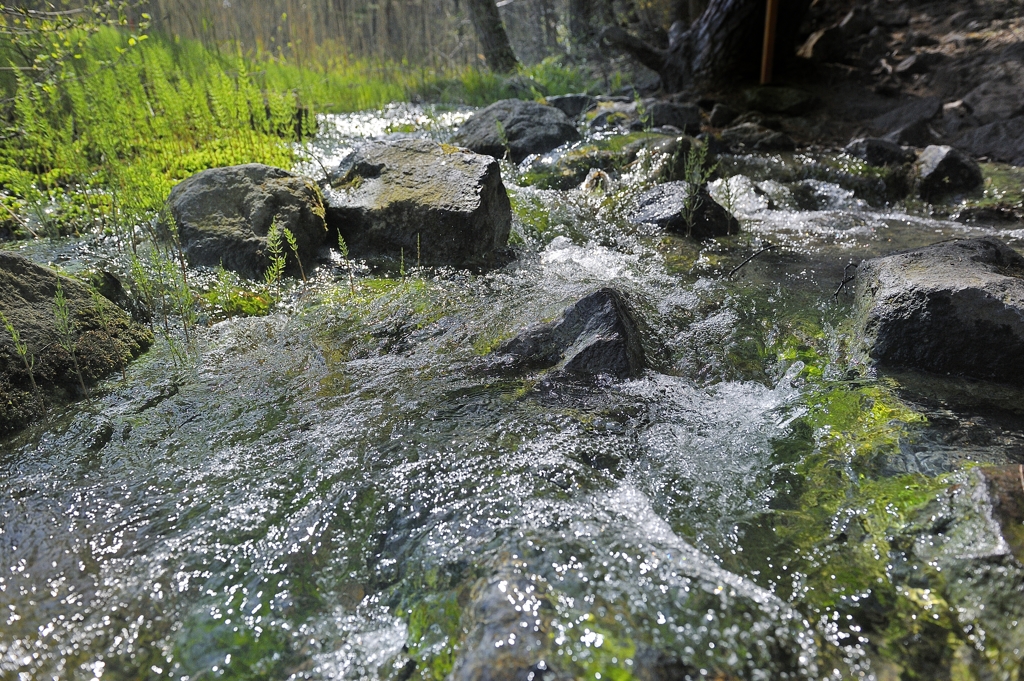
{"points": [[574, 105], [596, 336], [955, 307], [529, 128], [105, 339], [1001, 497], [683, 117], [879, 152], [945, 171], [442, 204], [665, 206], [223, 215], [722, 115]]}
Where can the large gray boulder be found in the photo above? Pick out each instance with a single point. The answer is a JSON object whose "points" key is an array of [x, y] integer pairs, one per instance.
{"points": [[596, 336], [665, 206], [103, 337], [955, 307], [223, 216], [943, 171], [529, 128], [447, 204]]}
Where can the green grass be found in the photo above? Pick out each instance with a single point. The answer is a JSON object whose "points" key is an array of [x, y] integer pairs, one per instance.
{"points": [[99, 143]]}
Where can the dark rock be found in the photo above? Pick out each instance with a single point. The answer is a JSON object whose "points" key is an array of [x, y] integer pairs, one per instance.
{"points": [[223, 216], [901, 117], [664, 205], [879, 152], [105, 339], [990, 215], [685, 117], [995, 101], [446, 203], [722, 115], [1000, 141], [1013, 52], [110, 286], [486, 654], [999, 497], [955, 307], [919, 63], [573, 106], [857, 21], [753, 137], [529, 127], [943, 171], [593, 337], [780, 100], [957, 116], [825, 45], [918, 134], [615, 114], [896, 18]]}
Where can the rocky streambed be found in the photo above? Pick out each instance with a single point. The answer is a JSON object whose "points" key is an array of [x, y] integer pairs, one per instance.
{"points": [[551, 425]]}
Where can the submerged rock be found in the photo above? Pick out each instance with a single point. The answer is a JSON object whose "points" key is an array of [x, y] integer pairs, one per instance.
{"points": [[665, 206], [442, 204], [943, 171], [502, 605], [595, 336], [528, 127], [955, 307], [879, 152], [223, 215], [104, 338], [1000, 493]]}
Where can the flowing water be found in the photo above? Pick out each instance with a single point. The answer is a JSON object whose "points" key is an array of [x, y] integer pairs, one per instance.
{"points": [[343, 489]]}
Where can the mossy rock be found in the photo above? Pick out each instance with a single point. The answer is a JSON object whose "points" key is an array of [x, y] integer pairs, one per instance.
{"points": [[103, 337]]}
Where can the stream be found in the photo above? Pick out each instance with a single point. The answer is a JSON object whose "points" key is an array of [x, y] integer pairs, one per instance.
{"points": [[342, 489]]}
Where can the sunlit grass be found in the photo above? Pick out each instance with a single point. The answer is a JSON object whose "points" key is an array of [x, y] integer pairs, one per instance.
{"points": [[100, 146]]}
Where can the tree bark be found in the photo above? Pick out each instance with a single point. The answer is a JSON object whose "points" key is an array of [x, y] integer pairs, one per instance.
{"points": [[723, 43], [490, 31]]}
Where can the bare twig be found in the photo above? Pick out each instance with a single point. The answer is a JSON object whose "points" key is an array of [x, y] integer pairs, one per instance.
{"points": [[736, 269], [846, 279]]}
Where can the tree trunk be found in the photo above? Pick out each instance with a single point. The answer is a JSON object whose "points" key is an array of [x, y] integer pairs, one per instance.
{"points": [[491, 34], [580, 28], [723, 43]]}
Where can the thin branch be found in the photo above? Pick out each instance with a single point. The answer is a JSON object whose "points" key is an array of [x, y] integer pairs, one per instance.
{"points": [[742, 264]]}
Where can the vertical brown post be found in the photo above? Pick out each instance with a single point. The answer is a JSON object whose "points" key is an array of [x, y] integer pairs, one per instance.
{"points": [[771, 17]]}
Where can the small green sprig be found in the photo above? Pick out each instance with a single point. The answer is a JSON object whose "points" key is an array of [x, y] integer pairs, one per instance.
{"points": [[66, 331], [22, 349]]}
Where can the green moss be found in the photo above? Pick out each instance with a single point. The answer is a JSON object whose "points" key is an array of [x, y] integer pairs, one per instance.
{"points": [[434, 634], [231, 296], [531, 211], [838, 521], [1004, 187]]}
